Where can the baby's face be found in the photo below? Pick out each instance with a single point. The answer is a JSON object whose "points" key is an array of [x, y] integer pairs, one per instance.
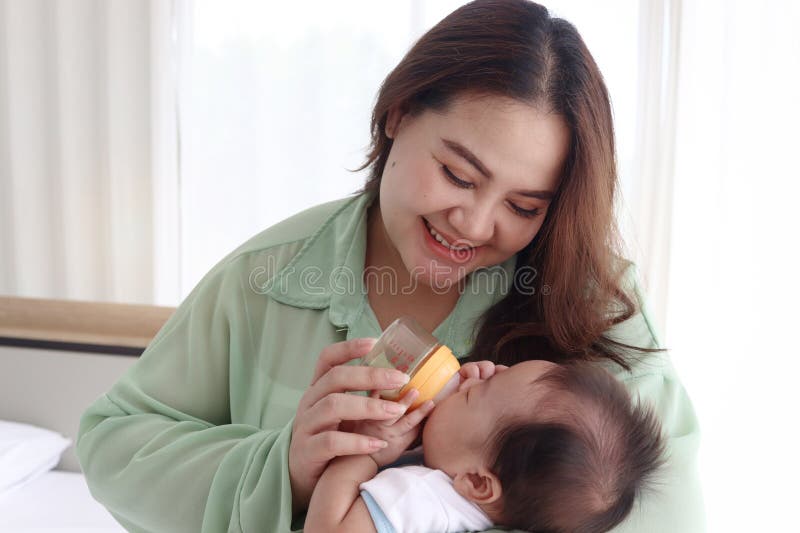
{"points": [[457, 431]]}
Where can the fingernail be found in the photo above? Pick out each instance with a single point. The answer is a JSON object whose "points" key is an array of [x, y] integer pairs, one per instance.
{"points": [[378, 443], [393, 408], [398, 378], [367, 342]]}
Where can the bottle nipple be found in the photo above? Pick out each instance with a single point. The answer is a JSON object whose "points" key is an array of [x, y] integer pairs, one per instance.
{"points": [[449, 388]]}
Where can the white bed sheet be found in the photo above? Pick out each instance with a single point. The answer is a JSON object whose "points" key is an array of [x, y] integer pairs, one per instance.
{"points": [[56, 501]]}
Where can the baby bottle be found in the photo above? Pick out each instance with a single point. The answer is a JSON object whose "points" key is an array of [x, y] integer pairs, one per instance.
{"points": [[430, 365]]}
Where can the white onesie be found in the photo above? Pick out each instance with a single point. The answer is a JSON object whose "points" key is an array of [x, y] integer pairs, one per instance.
{"points": [[418, 499]]}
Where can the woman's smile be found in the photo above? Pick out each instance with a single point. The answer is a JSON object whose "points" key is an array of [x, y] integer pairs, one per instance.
{"points": [[442, 248], [451, 243]]}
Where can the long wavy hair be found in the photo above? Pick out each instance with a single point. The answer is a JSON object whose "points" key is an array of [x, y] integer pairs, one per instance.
{"points": [[515, 49]]}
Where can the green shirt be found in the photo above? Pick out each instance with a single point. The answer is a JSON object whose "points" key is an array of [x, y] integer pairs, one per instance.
{"points": [[195, 436]]}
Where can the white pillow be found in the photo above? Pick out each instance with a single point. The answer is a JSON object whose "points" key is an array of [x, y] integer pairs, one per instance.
{"points": [[27, 452]]}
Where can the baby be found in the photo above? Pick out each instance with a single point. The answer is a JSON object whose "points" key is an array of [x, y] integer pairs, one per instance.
{"points": [[537, 447]]}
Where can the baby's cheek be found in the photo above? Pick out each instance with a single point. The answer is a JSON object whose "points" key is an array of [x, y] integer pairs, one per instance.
{"points": [[434, 432]]}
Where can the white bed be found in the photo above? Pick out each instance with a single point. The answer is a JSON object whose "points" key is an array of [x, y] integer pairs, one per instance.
{"points": [[56, 358], [50, 390], [57, 501]]}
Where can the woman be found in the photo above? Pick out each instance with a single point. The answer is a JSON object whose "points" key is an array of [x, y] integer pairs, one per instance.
{"points": [[489, 212]]}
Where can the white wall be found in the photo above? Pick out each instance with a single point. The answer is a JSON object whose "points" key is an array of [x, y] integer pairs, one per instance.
{"points": [[51, 389]]}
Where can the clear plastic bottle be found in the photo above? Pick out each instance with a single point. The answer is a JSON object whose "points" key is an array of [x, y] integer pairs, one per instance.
{"points": [[431, 366]]}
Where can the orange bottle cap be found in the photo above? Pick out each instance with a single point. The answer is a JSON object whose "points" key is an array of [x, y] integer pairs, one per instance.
{"points": [[432, 375]]}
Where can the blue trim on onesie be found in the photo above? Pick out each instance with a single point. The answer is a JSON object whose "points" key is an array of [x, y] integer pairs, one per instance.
{"points": [[382, 524]]}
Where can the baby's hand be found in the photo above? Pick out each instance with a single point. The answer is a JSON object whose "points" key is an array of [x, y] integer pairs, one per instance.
{"points": [[480, 370], [398, 433]]}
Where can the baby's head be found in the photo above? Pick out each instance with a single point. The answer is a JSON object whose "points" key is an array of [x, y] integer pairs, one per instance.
{"points": [[546, 447]]}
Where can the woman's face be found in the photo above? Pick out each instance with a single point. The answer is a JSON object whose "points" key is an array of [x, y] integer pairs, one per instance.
{"points": [[480, 175]]}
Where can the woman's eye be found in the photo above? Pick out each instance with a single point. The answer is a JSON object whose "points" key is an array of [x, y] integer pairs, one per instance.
{"points": [[528, 213], [455, 179]]}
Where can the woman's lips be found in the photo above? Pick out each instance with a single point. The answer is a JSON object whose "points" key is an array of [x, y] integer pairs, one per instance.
{"points": [[460, 257], [450, 240]]}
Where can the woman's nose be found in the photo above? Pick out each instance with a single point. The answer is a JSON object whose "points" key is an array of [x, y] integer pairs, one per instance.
{"points": [[475, 223]]}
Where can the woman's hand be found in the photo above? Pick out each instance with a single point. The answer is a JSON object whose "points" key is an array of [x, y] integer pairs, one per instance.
{"points": [[316, 436], [398, 433]]}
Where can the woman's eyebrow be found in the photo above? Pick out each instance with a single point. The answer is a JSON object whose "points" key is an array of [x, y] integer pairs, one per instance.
{"points": [[464, 152], [472, 159]]}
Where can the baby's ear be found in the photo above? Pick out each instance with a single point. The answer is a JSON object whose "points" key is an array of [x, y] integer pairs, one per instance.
{"points": [[481, 486]]}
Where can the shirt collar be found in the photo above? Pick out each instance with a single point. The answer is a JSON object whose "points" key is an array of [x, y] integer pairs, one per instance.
{"points": [[328, 270]]}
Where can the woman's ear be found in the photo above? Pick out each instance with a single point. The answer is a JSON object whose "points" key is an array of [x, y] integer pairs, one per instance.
{"points": [[481, 487], [393, 120]]}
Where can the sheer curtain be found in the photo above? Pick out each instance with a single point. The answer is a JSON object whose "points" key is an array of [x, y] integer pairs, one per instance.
{"points": [[81, 98], [646, 217], [142, 141], [276, 100], [733, 291]]}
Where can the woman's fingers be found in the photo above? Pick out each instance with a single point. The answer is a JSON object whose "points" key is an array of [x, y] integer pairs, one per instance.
{"points": [[412, 419], [354, 378], [336, 407], [329, 444], [341, 352], [406, 401], [408, 398]]}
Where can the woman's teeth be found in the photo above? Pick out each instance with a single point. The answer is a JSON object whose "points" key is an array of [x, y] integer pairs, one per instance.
{"points": [[443, 240]]}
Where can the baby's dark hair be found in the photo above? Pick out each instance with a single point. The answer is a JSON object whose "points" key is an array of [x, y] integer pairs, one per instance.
{"points": [[581, 463]]}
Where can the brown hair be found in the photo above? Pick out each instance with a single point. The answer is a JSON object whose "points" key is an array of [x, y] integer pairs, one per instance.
{"points": [[514, 48], [580, 469]]}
